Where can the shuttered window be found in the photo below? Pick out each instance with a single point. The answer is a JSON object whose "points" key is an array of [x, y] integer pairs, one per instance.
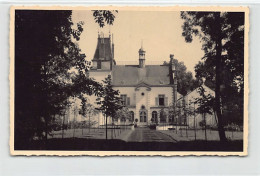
{"points": [[156, 101], [161, 100], [128, 101], [125, 101], [166, 101]]}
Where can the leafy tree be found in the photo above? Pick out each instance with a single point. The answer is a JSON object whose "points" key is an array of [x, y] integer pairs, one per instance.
{"points": [[104, 16], [177, 113], [185, 81], [109, 100], [205, 70], [87, 110], [49, 68], [123, 114], [222, 35], [206, 106]]}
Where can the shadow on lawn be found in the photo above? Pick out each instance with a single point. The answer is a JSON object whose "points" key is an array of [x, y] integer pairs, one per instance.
{"points": [[79, 144]]}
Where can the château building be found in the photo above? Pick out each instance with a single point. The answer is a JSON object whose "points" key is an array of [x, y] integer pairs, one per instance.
{"points": [[146, 90]]}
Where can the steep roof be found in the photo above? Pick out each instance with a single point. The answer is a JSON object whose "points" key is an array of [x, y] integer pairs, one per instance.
{"points": [[132, 75], [191, 96], [103, 50]]}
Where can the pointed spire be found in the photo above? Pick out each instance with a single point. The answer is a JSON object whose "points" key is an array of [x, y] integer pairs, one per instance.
{"points": [[142, 45], [142, 48], [141, 56]]}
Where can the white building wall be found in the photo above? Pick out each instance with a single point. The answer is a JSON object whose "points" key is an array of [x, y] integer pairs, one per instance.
{"points": [[141, 100], [136, 97], [105, 65], [129, 91], [190, 99], [210, 120], [155, 91], [94, 64], [99, 75], [148, 99]]}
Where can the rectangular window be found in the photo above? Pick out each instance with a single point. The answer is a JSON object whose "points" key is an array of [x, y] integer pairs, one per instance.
{"points": [[128, 101], [98, 64], [161, 100], [123, 99]]}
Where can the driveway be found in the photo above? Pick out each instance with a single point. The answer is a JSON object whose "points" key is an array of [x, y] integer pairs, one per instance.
{"points": [[148, 135]]}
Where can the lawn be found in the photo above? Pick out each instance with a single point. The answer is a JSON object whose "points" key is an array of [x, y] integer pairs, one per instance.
{"points": [[212, 135], [94, 140], [93, 133]]}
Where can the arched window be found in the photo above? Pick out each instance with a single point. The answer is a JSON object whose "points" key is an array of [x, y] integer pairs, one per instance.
{"points": [[154, 116], [142, 116], [132, 116]]}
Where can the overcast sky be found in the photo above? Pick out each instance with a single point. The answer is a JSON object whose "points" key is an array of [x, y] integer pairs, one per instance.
{"points": [[160, 32]]}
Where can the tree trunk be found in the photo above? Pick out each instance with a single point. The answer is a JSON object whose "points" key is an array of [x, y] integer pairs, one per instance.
{"points": [[46, 130], [186, 124], [186, 121], [112, 130], [98, 123], [74, 126], [194, 123], [106, 126], [221, 130], [74, 129], [204, 116], [176, 124], [89, 122], [82, 129], [63, 121]]}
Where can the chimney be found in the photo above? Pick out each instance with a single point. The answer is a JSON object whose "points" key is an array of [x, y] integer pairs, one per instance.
{"points": [[172, 69], [173, 80], [112, 51], [141, 57], [112, 46]]}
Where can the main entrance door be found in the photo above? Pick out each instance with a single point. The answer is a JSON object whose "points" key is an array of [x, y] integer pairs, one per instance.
{"points": [[143, 117]]}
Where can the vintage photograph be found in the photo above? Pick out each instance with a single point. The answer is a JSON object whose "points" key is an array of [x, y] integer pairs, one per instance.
{"points": [[129, 81]]}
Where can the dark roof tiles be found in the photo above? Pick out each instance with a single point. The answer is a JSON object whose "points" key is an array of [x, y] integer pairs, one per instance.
{"points": [[103, 50], [153, 75]]}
